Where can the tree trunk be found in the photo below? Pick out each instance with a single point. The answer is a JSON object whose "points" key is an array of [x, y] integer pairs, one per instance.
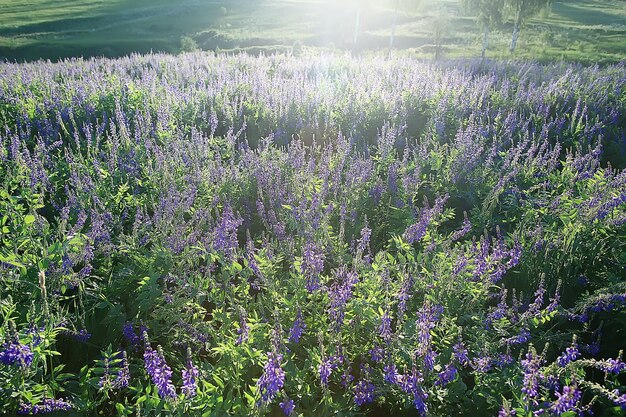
{"points": [[393, 26], [485, 41], [517, 26], [356, 28]]}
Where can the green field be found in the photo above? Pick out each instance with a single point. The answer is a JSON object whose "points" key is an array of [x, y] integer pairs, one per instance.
{"points": [[583, 30]]}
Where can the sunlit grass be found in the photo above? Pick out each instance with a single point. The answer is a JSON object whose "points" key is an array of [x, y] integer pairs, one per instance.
{"points": [[586, 30]]}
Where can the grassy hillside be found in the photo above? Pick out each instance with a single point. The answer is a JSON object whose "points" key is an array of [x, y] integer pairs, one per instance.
{"points": [[584, 30]]}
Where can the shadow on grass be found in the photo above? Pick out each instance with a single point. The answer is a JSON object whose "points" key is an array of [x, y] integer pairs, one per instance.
{"points": [[586, 15]]}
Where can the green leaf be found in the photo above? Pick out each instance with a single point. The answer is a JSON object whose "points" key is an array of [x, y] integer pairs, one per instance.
{"points": [[121, 410], [29, 219]]}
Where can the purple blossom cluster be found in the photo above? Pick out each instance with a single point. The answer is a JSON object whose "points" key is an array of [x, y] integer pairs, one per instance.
{"points": [[15, 353], [48, 405], [427, 319], [325, 369], [134, 340], [190, 376], [159, 371], [298, 327], [416, 231], [531, 366], [571, 354], [288, 406], [122, 380], [273, 378], [446, 376], [339, 294], [567, 400], [312, 265], [412, 384]]}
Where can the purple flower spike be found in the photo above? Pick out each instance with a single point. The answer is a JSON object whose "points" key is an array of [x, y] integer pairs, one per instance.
{"points": [[160, 372], [273, 378], [364, 392], [446, 376], [48, 405], [16, 354], [190, 377], [391, 374], [570, 355], [295, 333], [531, 366], [123, 376], [325, 369], [288, 406], [566, 401]]}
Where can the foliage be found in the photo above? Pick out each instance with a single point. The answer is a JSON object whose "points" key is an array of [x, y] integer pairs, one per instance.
{"points": [[522, 10], [489, 15], [187, 44]]}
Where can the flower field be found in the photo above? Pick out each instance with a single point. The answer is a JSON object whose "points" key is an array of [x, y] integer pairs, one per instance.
{"points": [[322, 236]]}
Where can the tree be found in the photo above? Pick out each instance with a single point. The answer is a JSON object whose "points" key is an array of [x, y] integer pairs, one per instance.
{"points": [[393, 25], [440, 25], [405, 5], [522, 10], [489, 15]]}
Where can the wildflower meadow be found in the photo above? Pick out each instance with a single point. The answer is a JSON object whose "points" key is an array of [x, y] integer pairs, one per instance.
{"points": [[228, 235]]}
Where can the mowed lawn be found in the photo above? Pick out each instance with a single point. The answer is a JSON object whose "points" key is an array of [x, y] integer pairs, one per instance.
{"points": [[577, 30]]}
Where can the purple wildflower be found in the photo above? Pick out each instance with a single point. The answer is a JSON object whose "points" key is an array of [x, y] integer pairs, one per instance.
{"points": [[566, 401], [446, 376], [15, 353], [391, 374], [416, 231], [190, 377], [295, 333], [48, 405], [384, 330], [482, 364], [427, 319], [506, 411], [618, 399], [412, 384], [312, 265], [325, 369], [288, 406], [429, 359], [346, 377], [594, 347], [377, 353], [571, 354], [535, 307], [273, 378], [500, 311], [531, 366], [614, 366], [82, 335], [159, 371], [522, 337], [467, 226], [364, 392], [123, 376], [364, 241], [404, 295], [129, 333], [35, 332], [225, 233], [105, 379], [460, 353], [339, 294], [243, 330]]}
